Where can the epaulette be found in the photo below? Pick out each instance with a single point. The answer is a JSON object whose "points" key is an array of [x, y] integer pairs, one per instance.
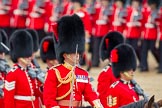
{"points": [[13, 69], [114, 84], [54, 66]]}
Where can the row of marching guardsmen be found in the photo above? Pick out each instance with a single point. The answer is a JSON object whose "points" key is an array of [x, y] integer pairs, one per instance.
{"points": [[99, 17], [25, 84], [141, 19]]}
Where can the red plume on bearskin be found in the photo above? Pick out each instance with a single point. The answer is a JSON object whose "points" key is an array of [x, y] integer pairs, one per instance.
{"points": [[107, 43], [47, 49], [45, 46], [114, 56]]}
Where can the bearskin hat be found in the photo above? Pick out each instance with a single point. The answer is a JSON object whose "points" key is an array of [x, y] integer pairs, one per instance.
{"points": [[123, 58], [35, 38], [4, 40], [79, 1], [47, 49], [21, 45], [108, 42], [157, 2], [70, 31]]}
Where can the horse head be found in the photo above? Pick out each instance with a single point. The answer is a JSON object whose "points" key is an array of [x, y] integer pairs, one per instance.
{"points": [[152, 104]]}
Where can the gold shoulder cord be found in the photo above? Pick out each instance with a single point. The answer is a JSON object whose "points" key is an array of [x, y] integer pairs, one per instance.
{"points": [[68, 79]]}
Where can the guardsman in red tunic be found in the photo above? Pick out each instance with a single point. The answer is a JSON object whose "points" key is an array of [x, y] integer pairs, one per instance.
{"points": [[20, 89], [106, 77], [66, 83], [101, 28], [35, 66], [133, 25], [150, 33], [4, 67], [53, 14], [37, 17], [20, 15], [90, 8], [47, 52], [5, 15], [118, 17], [78, 8], [121, 92], [67, 7]]}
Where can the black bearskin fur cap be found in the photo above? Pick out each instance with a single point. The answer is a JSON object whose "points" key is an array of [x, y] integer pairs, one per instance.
{"points": [[108, 42], [70, 34], [123, 58], [47, 49], [35, 38], [21, 45]]}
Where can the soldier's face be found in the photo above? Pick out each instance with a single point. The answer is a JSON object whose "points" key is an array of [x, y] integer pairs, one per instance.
{"points": [[104, 2], [127, 75], [89, 1], [2, 55], [152, 6], [25, 61], [52, 62], [56, 1], [119, 4], [135, 4], [71, 58], [76, 6]]}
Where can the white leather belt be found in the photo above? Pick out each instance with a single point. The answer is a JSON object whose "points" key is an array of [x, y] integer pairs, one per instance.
{"points": [[149, 25], [25, 98], [101, 22], [116, 23]]}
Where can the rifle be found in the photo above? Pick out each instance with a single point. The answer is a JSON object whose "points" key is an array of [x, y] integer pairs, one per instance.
{"points": [[40, 74], [5, 46], [1, 88], [4, 66], [73, 70], [36, 72], [139, 90]]}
